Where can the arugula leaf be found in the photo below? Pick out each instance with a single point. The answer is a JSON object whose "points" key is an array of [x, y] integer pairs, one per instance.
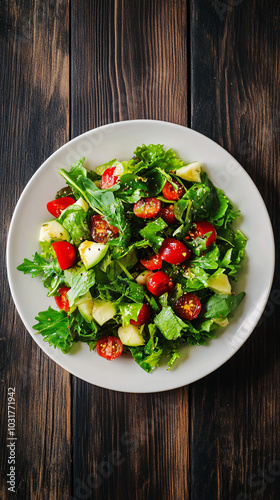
{"points": [[52, 278], [53, 325], [75, 220], [79, 280], [77, 169], [128, 312], [209, 260], [148, 356], [114, 214], [197, 279], [219, 305], [150, 233], [131, 188]]}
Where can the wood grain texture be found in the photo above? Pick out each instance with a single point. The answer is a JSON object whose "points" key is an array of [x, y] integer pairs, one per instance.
{"points": [[34, 117], [235, 445], [123, 67]]}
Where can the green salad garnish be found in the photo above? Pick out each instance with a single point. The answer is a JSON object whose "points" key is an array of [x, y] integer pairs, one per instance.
{"points": [[140, 257]]}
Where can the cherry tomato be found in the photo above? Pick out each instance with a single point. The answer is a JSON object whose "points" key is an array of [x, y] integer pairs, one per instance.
{"points": [[152, 263], [61, 300], [109, 347], [143, 316], [111, 176], [160, 283], [171, 193], [167, 214], [146, 208], [188, 306], [65, 253], [201, 228], [173, 251], [55, 207], [101, 231]]}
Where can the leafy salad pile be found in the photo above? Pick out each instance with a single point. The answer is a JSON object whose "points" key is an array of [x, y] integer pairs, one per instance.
{"points": [[139, 257]]}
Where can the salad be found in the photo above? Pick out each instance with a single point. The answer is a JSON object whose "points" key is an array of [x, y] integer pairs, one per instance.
{"points": [[139, 256]]}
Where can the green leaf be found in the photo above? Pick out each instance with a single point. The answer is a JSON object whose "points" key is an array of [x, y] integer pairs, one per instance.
{"points": [[150, 233], [128, 312], [219, 305], [79, 280], [169, 324], [209, 260], [75, 221], [54, 326]]}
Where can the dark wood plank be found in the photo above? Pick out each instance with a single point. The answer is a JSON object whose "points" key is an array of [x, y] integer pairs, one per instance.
{"points": [[124, 67], [235, 440], [34, 117]]}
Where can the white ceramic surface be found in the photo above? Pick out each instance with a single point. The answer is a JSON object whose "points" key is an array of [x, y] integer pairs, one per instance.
{"points": [[119, 140]]}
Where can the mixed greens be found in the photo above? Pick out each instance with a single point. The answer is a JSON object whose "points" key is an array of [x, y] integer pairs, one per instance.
{"points": [[139, 258]]}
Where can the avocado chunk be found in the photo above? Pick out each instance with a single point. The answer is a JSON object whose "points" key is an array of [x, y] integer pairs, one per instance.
{"points": [[102, 311], [220, 284], [53, 230], [85, 306], [91, 253], [130, 335], [190, 172]]}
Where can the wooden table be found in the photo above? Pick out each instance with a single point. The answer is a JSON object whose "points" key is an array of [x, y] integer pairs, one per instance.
{"points": [[70, 66]]}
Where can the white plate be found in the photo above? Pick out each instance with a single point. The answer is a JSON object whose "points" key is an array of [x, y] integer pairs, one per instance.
{"points": [[119, 140]]}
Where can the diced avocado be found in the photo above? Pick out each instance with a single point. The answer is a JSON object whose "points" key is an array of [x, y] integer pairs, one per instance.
{"points": [[221, 321], [130, 335], [143, 278], [220, 284], [53, 230], [82, 203], [102, 311], [190, 172], [91, 253], [85, 309]]}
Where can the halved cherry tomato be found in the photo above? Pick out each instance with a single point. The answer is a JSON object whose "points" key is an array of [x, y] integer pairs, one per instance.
{"points": [[173, 251], [146, 208], [55, 207], [152, 263], [109, 347], [143, 316], [160, 283], [101, 231], [65, 253], [201, 228], [188, 306], [167, 214], [111, 176], [171, 193], [61, 300]]}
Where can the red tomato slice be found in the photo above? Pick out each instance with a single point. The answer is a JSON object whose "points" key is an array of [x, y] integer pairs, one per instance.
{"points": [[160, 283], [110, 177], [109, 347], [170, 193], [146, 208], [152, 263], [101, 231], [201, 228], [167, 214], [61, 300], [55, 207], [173, 251], [65, 253], [143, 316], [188, 306]]}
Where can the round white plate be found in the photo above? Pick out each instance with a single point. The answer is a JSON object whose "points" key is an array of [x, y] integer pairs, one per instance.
{"points": [[119, 140]]}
